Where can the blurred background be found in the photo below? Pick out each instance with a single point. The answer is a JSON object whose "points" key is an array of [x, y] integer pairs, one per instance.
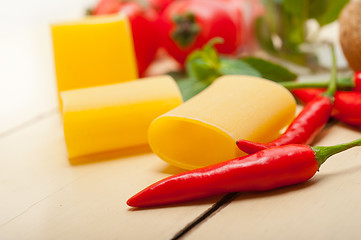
{"points": [[27, 75]]}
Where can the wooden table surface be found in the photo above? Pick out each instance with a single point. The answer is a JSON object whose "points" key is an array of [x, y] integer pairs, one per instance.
{"points": [[42, 196]]}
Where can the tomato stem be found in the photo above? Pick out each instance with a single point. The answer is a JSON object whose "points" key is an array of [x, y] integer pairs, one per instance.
{"points": [[186, 29], [322, 153]]}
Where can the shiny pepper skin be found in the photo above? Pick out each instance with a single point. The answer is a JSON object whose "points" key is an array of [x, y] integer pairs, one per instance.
{"points": [[265, 170], [302, 130], [347, 105]]}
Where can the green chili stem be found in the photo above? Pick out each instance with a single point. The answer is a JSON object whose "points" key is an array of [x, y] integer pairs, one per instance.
{"points": [[322, 153], [332, 87], [342, 83]]}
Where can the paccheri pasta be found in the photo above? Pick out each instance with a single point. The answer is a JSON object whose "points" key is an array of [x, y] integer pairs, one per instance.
{"points": [[204, 130]]}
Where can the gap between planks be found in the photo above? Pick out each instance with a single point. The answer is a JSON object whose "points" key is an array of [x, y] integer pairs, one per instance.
{"points": [[29, 122], [219, 205]]}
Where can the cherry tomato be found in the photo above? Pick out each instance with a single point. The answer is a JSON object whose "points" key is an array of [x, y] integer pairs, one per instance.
{"points": [[106, 7], [189, 24], [256, 9], [159, 5], [143, 22]]}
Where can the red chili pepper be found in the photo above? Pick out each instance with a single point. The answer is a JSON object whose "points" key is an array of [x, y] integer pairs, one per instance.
{"points": [[302, 130], [159, 5], [347, 105], [306, 125], [308, 94], [265, 170]]}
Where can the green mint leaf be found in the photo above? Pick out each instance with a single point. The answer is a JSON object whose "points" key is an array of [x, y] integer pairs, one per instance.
{"points": [[270, 70], [177, 75], [264, 2], [294, 16], [293, 34], [201, 70], [331, 12], [237, 67], [272, 8], [295, 7], [203, 64], [317, 8], [190, 87], [263, 32], [210, 51]]}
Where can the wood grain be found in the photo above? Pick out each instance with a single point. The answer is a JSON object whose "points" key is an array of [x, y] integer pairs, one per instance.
{"points": [[47, 198]]}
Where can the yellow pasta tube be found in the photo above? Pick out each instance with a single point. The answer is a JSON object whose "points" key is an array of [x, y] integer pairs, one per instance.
{"points": [[203, 130], [94, 51], [117, 116]]}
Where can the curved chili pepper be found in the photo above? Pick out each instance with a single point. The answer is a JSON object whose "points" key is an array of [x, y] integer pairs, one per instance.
{"points": [[265, 170], [347, 105], [308, 94], [306, 125], [302, 130]]}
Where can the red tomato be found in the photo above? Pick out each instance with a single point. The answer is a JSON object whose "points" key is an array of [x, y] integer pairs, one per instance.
{"points": [[145, 32], [255, 9], [189, 24], [144, 28], [106, 7], [159, 5]]}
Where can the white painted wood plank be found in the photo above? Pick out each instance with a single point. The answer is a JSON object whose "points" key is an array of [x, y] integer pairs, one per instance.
{"points": [[47, 198], [27, 76]]}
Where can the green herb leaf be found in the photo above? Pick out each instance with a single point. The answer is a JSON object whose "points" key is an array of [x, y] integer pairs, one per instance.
{"points": [[203, 64], [295, 7], [189, 87], [237, 67], [317, 8], [282, 29], [331, 12], [200, 69], [294, 16], [270, 70], [263, 33]]}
